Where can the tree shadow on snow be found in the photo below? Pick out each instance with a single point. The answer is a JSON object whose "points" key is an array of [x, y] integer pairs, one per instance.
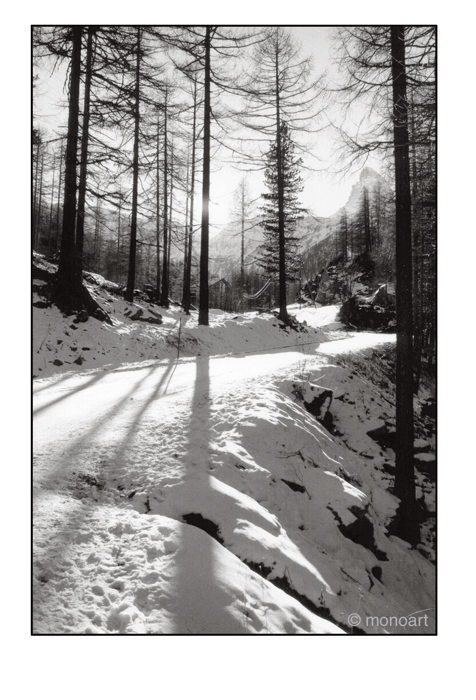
{"points": [[85, 450], [204, 599]]}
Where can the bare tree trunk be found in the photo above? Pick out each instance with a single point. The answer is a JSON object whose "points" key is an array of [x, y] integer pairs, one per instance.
{"points": [[169, 248], [204, 301], [40, 201], [242, 271], [129, 295], [185, 248], [35, 200], [283, 311], [164, 299], [50, 225], [157, 206], [97, 238], [345, 234], [367, 231], [84, 159], [58, 205], [404, 467], [188, 272], [417, 271], [378, 214], [67, 279], [118, 240]]}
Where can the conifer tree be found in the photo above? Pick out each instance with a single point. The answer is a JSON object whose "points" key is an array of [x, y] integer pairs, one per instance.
{"points": [[281, 89], [284, 170]]}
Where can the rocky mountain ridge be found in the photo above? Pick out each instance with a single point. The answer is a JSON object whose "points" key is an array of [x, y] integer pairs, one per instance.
{"points": [[317, 234]]}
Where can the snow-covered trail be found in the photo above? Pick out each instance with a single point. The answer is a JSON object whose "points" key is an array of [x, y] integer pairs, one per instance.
{"points": [[145, 430], [77, 418], [84, 406], [99, 399]]}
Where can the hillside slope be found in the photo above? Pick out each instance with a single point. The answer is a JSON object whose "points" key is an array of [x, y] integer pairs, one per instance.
{"points": [[201, 494]]}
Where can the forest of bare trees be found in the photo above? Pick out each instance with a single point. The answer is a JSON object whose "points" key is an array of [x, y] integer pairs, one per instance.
{"points": [[122, 188]]}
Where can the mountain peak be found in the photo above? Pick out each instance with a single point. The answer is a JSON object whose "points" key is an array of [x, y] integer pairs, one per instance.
{"points": [[368, 174]]}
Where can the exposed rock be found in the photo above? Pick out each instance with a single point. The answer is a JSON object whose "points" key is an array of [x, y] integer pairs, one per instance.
{"points": [[363, 312], [43, 270], [155, 313], [151, 319], [150, 292], [385, 296], [134, 315], [389, 467], [208, 526], [360, 531], [100, 281], [293, 486], [377, 572], [428, 408], [384, 435], [421, 445], [317, 401], [137, 314], [426, 464], [82, 316]]}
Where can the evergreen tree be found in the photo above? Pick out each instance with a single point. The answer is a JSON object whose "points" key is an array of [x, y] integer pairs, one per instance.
{"points": [[284, 170], [281, 89]]}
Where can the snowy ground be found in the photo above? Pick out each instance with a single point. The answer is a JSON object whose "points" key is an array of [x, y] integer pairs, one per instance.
{"points": [[198, 495]]}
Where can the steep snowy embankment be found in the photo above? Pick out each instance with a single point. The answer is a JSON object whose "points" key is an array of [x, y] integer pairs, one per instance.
{"points": [[181, 485], [200, 495], [61, 343]]}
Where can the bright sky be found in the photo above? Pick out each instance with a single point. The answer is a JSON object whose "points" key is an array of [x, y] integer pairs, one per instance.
{"points": [[323, 193]]}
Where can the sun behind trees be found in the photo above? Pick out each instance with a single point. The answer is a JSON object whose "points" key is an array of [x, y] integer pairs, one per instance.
{"points": [[150, 111]]}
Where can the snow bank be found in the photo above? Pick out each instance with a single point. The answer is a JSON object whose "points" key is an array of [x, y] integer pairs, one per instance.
{"points": [[200, 496], [271, 522], [60, 344]]}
